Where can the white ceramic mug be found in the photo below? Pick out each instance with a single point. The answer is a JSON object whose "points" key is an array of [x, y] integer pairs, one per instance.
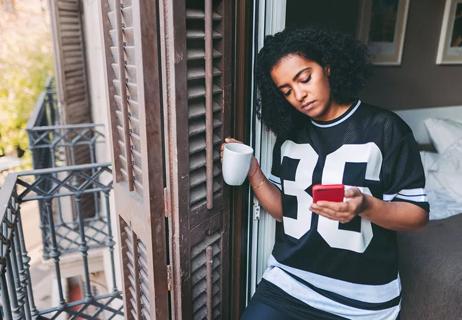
{"points": [[236, 163]]}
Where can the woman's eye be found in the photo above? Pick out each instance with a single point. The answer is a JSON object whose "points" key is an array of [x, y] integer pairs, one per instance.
{"points": [[287, 93], [305, 80]]}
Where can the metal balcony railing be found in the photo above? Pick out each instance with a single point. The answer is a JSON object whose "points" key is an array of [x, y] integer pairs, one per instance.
{"points": [[52, 145], [18, 285]]}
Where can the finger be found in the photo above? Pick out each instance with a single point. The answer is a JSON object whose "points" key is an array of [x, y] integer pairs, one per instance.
{"points": [[334, 216], [352, 192], [232, 140], [336, 206], [321, 213], [329, 213]]}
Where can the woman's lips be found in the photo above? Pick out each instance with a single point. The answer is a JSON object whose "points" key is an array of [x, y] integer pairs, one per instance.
{"points": [[308, 105]]}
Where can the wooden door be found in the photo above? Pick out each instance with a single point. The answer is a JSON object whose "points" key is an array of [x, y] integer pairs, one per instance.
{"points": [[132, 59], [197, 61]]}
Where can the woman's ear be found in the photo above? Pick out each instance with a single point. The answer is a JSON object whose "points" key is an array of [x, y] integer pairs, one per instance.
{"points": [[327, 70]]}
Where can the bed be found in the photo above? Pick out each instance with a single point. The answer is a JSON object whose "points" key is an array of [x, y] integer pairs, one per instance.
{"points": [[431, 258]]}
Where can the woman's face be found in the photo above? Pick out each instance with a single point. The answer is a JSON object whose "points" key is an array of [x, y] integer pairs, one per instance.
{"points": [[305, 85]]}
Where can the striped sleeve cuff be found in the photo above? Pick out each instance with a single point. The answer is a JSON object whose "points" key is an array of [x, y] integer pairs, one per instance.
{"points": [[275, 180], [416, 196]]}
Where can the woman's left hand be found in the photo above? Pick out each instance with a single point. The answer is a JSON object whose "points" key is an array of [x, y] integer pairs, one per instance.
{"points": [[355, 203]]}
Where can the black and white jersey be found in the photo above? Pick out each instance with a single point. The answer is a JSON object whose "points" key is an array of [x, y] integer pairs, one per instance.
{"points": [[348, 270]]}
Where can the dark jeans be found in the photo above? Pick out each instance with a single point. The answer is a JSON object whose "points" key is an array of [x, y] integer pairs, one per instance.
{"points": [[257, 310]]}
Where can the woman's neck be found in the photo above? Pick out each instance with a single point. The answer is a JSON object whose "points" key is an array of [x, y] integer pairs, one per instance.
{"points": [[333, 111]]}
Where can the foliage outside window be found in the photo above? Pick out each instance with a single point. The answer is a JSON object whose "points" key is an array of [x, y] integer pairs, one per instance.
{"points": [[25, 64]]}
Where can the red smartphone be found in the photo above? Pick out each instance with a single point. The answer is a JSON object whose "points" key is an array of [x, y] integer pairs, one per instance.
{"points": [[328, 192]]}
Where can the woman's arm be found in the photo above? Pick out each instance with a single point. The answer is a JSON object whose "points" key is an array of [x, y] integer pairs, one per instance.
{"points": [[398, 216], [267, 193]]}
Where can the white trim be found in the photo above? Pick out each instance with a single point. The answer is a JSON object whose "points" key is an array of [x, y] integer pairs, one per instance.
{"points": [[413, 198], [412, 192], [255, 132], [339, 121], [314, 299], [416, 195], [389, 197], [363, 292], [418, 198], [271, 18], [275, 180]]}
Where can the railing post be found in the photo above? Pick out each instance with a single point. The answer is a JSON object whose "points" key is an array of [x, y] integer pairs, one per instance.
{"points": [[54, 254], [83, 247], [11, 283], [26, 269], [5, 293], [96, 195], [110, 242], [21, 280]]}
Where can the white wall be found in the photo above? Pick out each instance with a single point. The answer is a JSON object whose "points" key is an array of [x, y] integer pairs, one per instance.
{"points": [[100, 105], [96, 72]]}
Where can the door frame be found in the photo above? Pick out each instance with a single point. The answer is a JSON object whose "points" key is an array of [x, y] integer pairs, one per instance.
{"points": [[269, 18], [252, 228]]}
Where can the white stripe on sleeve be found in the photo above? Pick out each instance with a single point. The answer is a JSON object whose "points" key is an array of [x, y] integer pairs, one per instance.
{"points": [[416, 195], [275, 180]]}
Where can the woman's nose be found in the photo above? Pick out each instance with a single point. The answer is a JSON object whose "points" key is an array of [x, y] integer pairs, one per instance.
{"points": [[300, 94]]}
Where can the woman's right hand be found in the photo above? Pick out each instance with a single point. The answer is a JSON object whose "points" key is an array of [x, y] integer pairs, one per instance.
{"points": [[267, 194], [253, 164]]}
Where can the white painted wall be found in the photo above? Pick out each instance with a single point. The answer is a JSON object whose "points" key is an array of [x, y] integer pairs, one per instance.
{"points": [[96, 71]]}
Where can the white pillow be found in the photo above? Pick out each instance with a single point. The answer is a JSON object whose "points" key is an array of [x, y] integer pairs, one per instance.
{"points": [[429, 160], [443, 132], [449, 167], [444, 182]]}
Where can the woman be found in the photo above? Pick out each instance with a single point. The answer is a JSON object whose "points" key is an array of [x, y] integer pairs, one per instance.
{"points": [[331, 260]]}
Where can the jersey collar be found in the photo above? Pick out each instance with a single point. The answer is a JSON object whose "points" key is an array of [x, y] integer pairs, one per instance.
{"points": [[338, 120]]}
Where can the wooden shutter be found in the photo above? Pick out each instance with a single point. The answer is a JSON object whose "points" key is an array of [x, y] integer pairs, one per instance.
{"points": [[70, 66], [72, 83], [198, 61], [131, 44]]}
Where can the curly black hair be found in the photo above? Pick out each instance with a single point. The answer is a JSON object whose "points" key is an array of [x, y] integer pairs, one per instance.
{"points": [[349, 68]]}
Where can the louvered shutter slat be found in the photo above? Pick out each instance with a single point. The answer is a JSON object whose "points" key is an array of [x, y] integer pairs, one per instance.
{"points": [[194, 54], [197, 109], [198, 14], [199, 73], [197, 34]]}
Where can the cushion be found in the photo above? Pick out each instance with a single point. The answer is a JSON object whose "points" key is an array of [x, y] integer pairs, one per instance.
{"points": [[443, 174], [443, 132], [431, 270], [429, 160]]}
